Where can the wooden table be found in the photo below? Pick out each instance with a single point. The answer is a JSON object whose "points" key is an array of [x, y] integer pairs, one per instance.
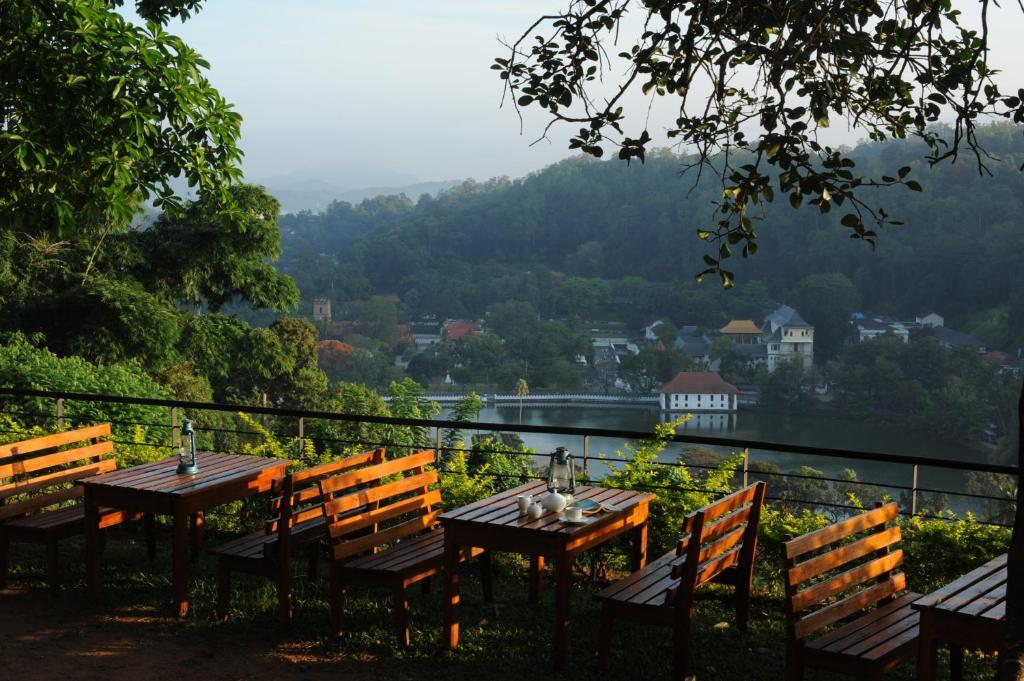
{"points": [[495, 524], [969, 612], [157, 488]]}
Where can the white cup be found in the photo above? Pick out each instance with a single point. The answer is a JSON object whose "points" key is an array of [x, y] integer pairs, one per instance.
{"points": [[574, 514], [534, 511], [524, 503]]}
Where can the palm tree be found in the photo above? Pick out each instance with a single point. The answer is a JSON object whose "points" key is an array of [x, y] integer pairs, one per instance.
{"points": [[522, 390]]}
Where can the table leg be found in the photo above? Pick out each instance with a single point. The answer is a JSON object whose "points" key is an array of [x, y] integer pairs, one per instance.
{"points": [[92, 545], [956, 662], [639, 557], [451, 593], [536, 578], [563, 573], [198, 525], [179, 552], [927, 649]]}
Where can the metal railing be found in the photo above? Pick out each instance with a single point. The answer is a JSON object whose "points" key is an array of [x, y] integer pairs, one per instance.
{"points": [[747, 469]]}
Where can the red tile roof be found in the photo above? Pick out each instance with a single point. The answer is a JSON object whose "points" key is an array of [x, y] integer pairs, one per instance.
{"points": [[698, 382], [459, 330]]}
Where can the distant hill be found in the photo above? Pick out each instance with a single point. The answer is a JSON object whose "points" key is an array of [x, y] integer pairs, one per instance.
{"points": [[476, 244], [317, 195]]}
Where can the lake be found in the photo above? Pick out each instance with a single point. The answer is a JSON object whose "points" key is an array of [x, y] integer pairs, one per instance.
{"points": [[796, 429]]}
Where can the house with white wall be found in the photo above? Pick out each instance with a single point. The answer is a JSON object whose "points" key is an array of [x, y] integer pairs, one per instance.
{"points": [[698, 391], [788, 337]]}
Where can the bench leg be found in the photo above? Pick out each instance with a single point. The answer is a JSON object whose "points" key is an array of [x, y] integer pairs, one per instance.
{"points": [[5, 548], [284, 592], [425, 585], [681, 646], [223, 588], [486, 576], [103, 540], [604, 641], [338, 597], [52, 567], [149, 523], [536, 578], [794, 664], [313, 561], [742, 595], [402, 617]]}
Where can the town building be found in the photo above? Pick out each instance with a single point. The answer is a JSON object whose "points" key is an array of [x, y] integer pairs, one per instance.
{"points": [[930, 319], [955, 339], [742, 332], [698, 391], [787, 337], [869, 329], [453, 330], [322, 310]]}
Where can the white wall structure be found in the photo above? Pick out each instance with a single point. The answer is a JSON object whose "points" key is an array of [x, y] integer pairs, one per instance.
{"points": [[697, 391]]}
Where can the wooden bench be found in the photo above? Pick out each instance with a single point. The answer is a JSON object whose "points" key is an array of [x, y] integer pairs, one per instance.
{"points": [[38, 494], [845, 574], [296, 520], [399, 545], [718, 545]]}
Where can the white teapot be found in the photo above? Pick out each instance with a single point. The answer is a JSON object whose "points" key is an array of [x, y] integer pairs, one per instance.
{"points": [[556, 501]]}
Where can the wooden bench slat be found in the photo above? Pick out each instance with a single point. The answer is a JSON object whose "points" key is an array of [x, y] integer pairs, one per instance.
{"points": [[38, 463], [340, 528], [834, 640], [40, 482], [375, 472], [39, 502], [841, 530], [351, 500], [836, 611], [724, 524], [847, 580], [45, 442], [813, 567], [356, 546]]}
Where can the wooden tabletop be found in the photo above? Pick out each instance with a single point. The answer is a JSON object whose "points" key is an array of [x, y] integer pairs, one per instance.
{"points": [[161, 477], [981, 593], [502, 510]]}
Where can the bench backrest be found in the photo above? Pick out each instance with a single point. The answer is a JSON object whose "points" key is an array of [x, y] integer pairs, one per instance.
{"points": [[841, 570], [296, 498], [392, 499], [720, 536], [40, 473]]}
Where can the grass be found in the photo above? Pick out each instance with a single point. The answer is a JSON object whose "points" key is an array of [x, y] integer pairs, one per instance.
{"points": [[506, 640]]}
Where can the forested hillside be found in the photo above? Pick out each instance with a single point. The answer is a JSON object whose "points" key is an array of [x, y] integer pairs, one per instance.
{"points": [[583, 235]]}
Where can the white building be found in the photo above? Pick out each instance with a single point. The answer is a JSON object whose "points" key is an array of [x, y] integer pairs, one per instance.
{"points": [[698, 391], [932, 319], [869, 329], [788, 337]]}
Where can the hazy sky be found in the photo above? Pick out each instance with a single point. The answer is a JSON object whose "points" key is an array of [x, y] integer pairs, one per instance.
{"points": [[364, 93]]}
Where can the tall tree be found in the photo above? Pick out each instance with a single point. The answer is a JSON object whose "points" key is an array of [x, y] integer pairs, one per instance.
{"points": [[753, 83]]}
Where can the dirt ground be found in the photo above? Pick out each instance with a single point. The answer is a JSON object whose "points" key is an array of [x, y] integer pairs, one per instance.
{"points": [[68, 638]]}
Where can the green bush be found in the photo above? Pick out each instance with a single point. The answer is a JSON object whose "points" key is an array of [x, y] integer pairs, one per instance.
{"points": [[678, 491], [938, 550]]}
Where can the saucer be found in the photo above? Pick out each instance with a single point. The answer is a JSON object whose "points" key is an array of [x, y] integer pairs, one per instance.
{"points": [[582, 521]]}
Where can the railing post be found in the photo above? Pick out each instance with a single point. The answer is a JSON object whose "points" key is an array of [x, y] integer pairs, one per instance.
{"points": [[174, 427], [60, 413], [746, 466], [586, 458], [437, 443], [302, 435], [913, 493]]}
